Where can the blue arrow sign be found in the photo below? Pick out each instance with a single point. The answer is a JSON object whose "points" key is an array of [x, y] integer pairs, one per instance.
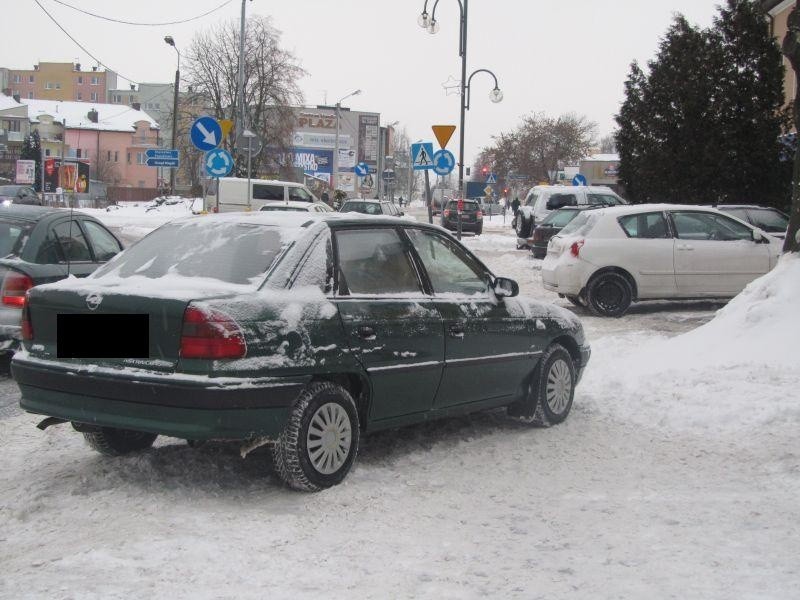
{"points": [[218, 162], [422, 156], [206, 133], [361, 169], [163, 162], [579, 180], [443, 162], [164, 153]]}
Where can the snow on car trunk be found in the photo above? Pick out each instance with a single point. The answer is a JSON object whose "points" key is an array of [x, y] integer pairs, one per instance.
{"points": [[730, 375]]}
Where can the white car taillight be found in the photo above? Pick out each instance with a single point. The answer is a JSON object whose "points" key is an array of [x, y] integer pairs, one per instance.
{"points": [[575, 248]]}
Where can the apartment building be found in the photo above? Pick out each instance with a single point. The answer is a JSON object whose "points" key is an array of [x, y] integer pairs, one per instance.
{"points": [[59, 81]]}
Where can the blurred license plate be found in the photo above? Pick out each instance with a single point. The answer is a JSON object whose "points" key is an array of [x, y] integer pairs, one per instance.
{"points": [[103, 336]]}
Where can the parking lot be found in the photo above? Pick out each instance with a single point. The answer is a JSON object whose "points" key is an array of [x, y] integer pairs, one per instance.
{"points": [[674, 484]]}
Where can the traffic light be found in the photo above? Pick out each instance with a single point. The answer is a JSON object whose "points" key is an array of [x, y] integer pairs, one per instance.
{"points": [[505, 191], [485, 170]]}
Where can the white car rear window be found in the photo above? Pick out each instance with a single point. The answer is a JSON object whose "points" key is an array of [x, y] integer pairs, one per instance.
{"points": [[581, 225]]}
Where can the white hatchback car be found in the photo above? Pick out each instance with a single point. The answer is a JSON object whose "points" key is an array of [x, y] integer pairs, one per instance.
{"points": [[607, 258]]}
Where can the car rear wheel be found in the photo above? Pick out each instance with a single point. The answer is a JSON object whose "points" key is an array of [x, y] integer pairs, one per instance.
{"points": [[609, 295], [552, 390], [522, 226], [320, 439], [118, 442]]}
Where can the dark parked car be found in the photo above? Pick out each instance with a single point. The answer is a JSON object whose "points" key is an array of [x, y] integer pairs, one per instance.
{"points": [[471, 219], [371, 207], [18, 194], [298, 330], [551, 225], [39, 244], [770, 220]]}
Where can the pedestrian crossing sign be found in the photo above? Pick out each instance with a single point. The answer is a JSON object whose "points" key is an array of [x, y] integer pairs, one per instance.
{"points": [[422, 156], [491, 179]]}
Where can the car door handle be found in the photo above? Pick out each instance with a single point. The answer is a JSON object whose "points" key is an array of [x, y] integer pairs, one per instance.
{"points": [[457, 330], [685, 247], [365, 332]]}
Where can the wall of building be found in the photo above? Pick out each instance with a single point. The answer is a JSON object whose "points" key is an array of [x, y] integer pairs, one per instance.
{"points": [[60, 81], [779, 15]]}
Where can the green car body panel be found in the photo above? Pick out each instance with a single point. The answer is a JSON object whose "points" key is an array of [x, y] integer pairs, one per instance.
{"points": [[403, 359]]}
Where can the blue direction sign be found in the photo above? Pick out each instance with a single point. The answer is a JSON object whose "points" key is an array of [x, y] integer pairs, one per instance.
{"points": [[206, 133], [579, 180], [422, 156], [162, 157], [361, 169], [218, 162], [443, 162]]}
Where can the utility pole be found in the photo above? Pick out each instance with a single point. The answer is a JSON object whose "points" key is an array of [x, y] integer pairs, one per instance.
{"points": [[241, 121]]}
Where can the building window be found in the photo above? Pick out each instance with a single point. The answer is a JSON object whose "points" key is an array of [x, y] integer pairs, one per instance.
{"points": [[47, 151], [129, 158], [17, 79], [117, 99], [130, 99], [80, 79], [30, 79], [116, 156], [140, 158], [94, 96], [49, 86], [13, 125], [109, 156], [95, 81]]}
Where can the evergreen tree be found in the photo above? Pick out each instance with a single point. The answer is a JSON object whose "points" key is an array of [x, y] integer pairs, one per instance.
{"points": [[32, 150], [703, 125]]}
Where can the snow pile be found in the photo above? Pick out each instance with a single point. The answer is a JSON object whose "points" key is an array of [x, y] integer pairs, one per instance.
{"points": [[734, 373]]}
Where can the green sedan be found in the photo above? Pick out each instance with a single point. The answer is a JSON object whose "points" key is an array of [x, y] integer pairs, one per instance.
{"points": [[294, 330]]}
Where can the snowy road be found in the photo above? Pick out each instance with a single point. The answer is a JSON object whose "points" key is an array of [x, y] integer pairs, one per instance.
{"points": [[618, 502]]}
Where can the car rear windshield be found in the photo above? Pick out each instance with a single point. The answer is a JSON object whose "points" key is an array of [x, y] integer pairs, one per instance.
{"points": [[367, 208], [290, 208], [239, 253], [769, 220], [468, 206], [560, 218], [582, 224], [12, 236]]}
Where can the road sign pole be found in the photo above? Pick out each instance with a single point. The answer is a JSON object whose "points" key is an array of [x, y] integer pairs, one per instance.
{"points": [[428, 196], [249, 162]]}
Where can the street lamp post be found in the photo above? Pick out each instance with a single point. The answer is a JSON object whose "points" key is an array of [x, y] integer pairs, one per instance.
{"points": [[169, 40], [336, 142], [429, 23]]}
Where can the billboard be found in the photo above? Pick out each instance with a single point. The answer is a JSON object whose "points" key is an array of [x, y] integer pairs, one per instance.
{"points": [[26, 172], [314, 162], [368, 132], [70, 176]]}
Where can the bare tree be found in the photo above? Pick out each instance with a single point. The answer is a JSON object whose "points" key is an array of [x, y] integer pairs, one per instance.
{"points": [[405, 176], [270, 88], [106, 169], [791, 49], [608, 144]]}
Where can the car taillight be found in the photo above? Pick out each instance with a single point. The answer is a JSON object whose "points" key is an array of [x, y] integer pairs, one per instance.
{"points": [[479, 215], [15, 285], [575, 249], [446, 212], [537, 235], [27, 325], [211, 334]]}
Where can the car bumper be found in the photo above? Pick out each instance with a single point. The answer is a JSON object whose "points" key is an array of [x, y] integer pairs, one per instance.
{"points": [[471, 226], [561, 277], [191, 408], [586, 353]]}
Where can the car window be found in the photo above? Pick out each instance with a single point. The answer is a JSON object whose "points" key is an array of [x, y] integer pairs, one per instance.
{"points": [[531, 199], [582, 224], [12, 237], [769, 220], [739, 213], [645, 225], [367, 208], [603, 199], [104, 244], [263, 191], [708, 226], [558, 200], [560, 218], [316, 268], [299, 194], [281, 207], [449, 268], [374, 262], [73, 244]]}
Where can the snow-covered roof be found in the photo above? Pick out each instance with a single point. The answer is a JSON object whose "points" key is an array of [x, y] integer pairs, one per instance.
{"points": [[7, 102], [111, 117], [601, 158]]}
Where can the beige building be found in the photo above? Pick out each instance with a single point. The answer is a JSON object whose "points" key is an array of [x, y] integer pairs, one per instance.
{"points": [[59, 81], [778, 13]]}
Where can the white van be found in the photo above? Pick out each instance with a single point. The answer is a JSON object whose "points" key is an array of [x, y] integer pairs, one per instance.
{"points": [[543, 199], [233, 194]]}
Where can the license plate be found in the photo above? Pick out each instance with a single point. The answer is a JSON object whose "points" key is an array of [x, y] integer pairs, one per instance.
{"points": [[103, 336]]}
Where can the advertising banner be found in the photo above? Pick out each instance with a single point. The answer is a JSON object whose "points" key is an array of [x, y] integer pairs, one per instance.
{"points": [[26, 172], [368, 133], [347, 182], [309, 139], [70, 175], [315, 163]]}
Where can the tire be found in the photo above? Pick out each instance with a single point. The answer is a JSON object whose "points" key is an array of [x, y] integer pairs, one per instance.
{"points": [[522, 226], [552, 390], [538, 253], [609, 295], [325, 418], [118, 442], [479, 230]]}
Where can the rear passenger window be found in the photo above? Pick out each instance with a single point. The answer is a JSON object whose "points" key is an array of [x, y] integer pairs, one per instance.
{"points": [[104, 244], [645, 226], [267, 192], [602, 199], [374, 262], [70, 238]]}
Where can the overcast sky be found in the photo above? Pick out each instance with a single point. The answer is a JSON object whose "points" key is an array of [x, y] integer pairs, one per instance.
{"points": [[552, 56]]}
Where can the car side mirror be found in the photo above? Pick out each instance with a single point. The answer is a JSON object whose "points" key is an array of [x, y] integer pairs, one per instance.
{"points": [[759, 237], [505, 288]]}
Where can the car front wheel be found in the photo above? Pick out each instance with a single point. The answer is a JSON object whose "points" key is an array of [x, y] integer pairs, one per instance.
{"points": [[118, 442], [522, 226], [320, 439], [609, 295], [552, 390]]}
